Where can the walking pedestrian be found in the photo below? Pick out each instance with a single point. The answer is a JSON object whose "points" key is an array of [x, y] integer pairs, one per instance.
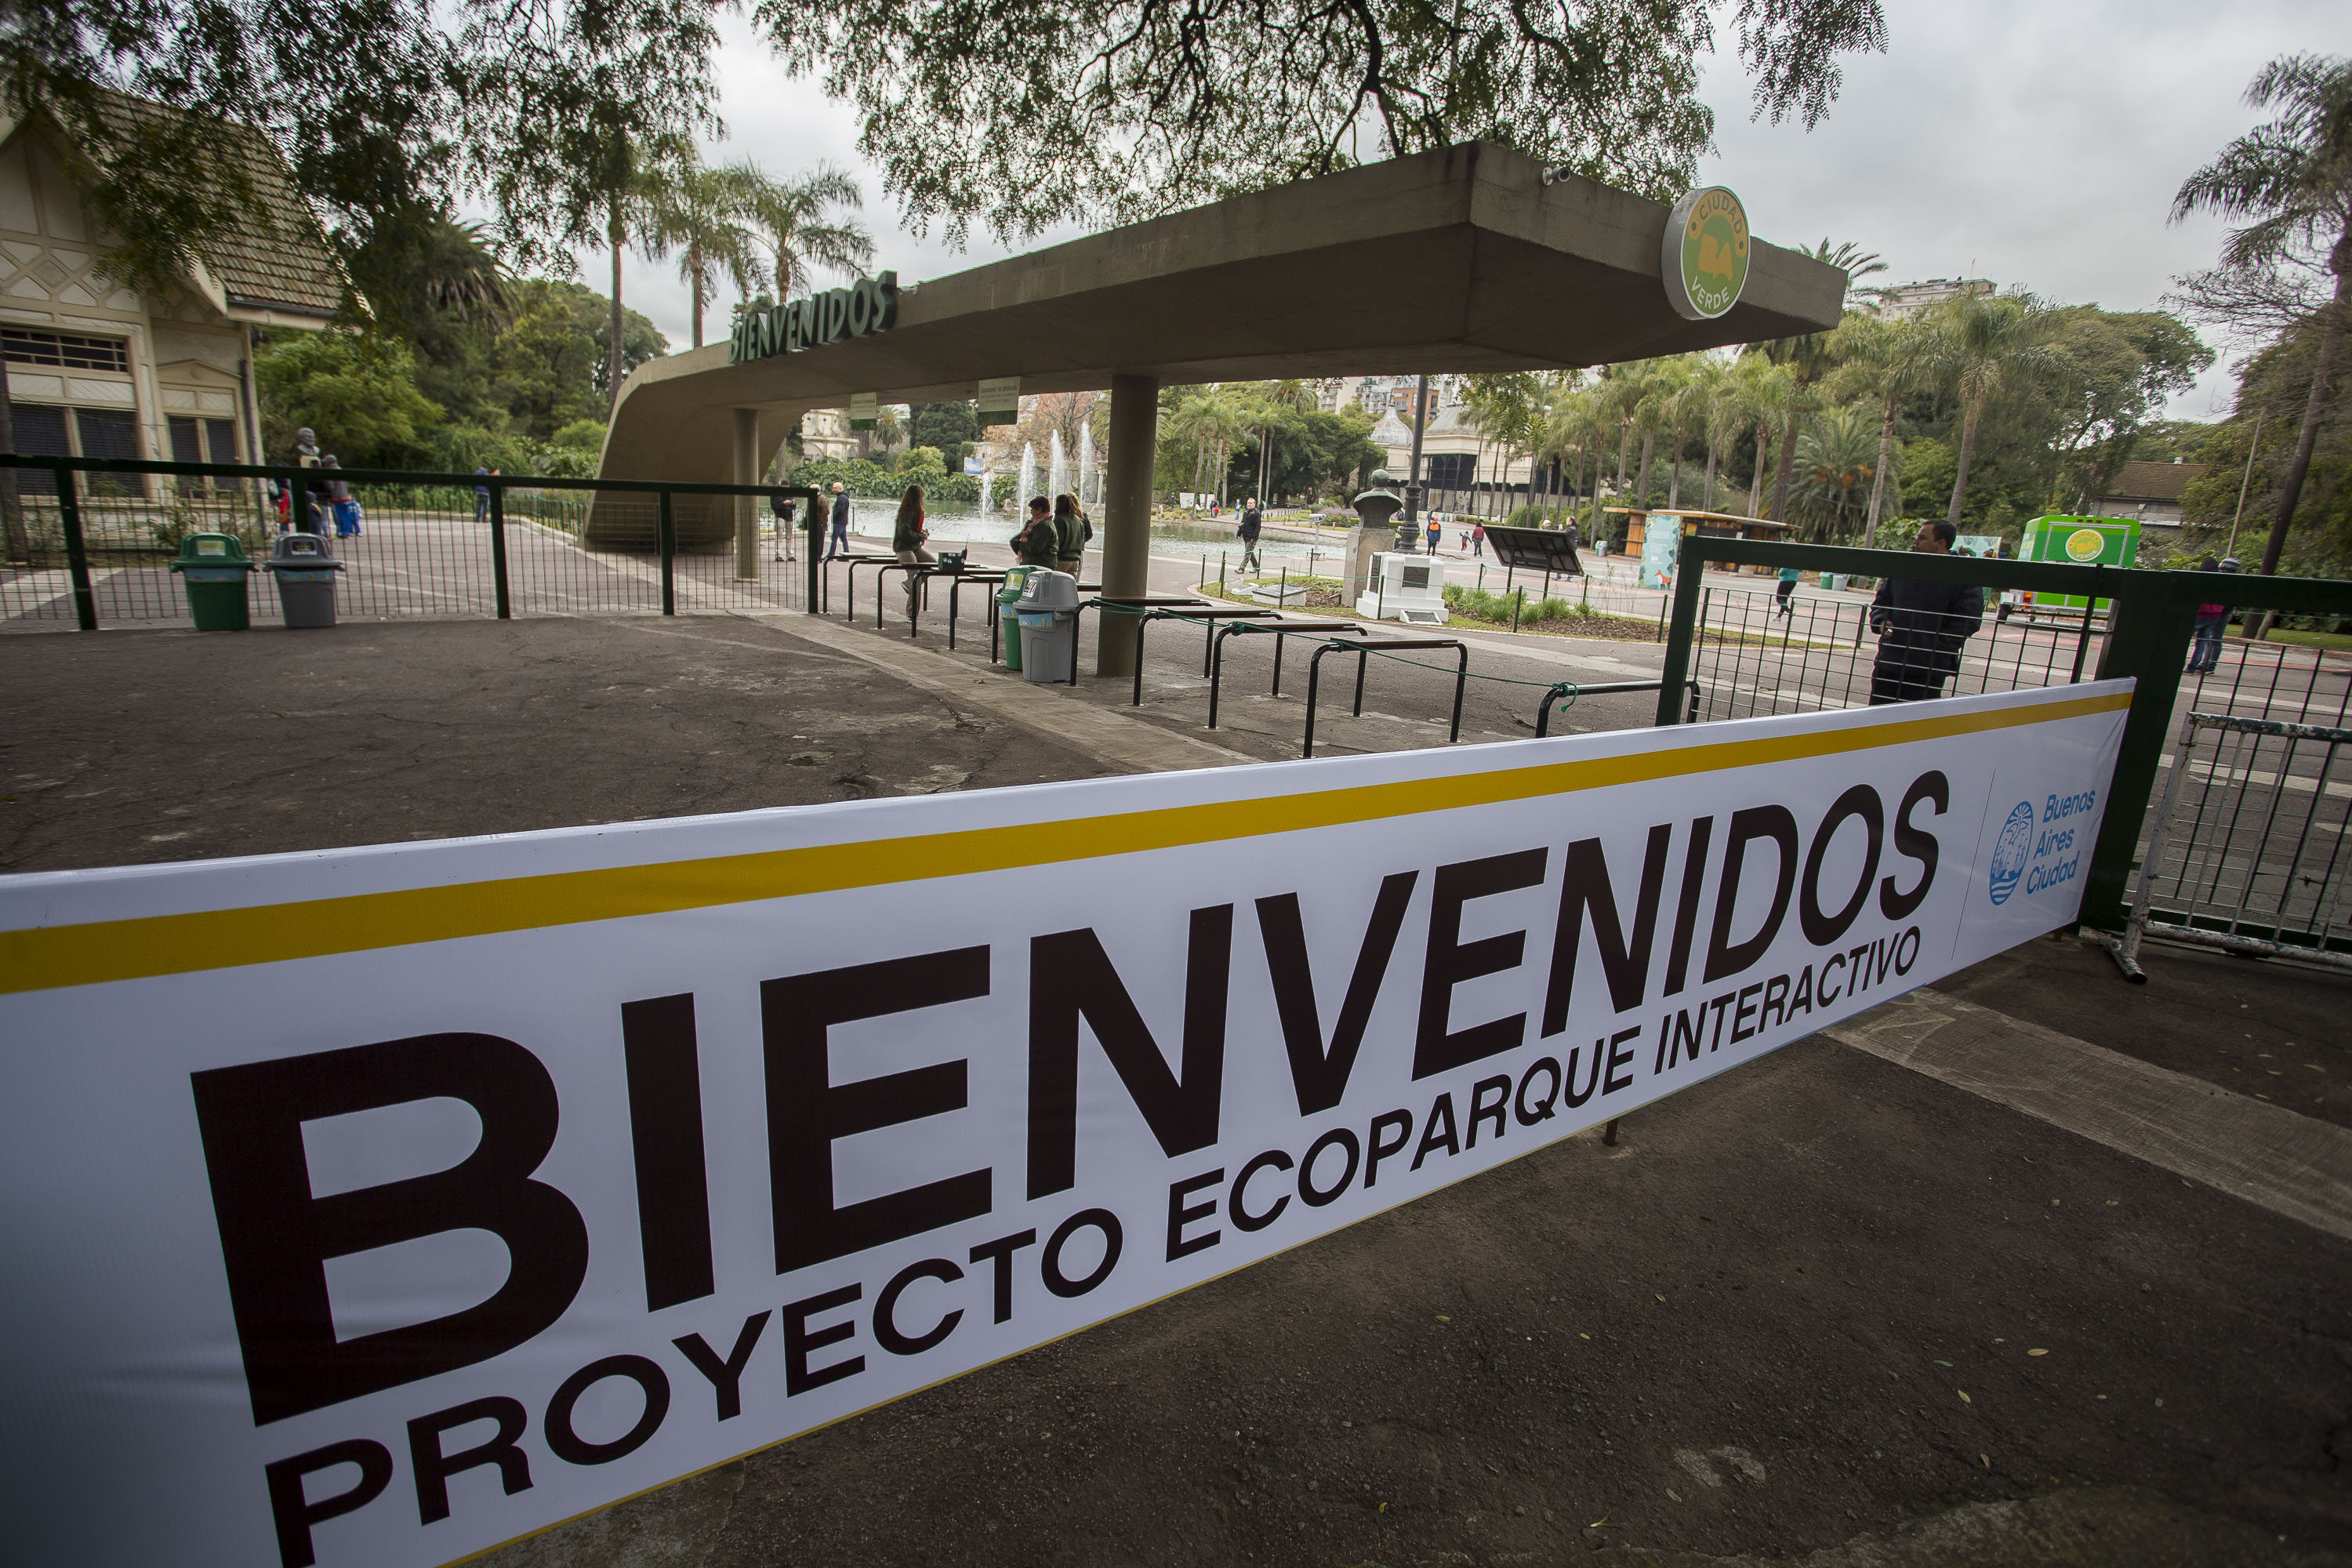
{"points": [[1071, 531], [1040, 543], [481, 499], [840, 542], [1478, 540], [1921, 627], [1253, 524], [339, 501], [2212, 621], [907, 538], [1437, 536], [1785, 590], [1571, 540]]}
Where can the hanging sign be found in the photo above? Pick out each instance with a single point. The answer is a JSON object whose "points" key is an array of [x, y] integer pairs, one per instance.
{"points": [[373, 1207], [1000, 401], [862, 410], [1704, 257], [869, 305]]}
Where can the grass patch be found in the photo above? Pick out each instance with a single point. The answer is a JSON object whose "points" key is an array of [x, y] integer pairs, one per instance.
{"points": [[2340, 642]]}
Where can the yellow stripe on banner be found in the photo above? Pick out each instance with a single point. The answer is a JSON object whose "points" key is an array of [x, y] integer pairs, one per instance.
{"points": [[45, 957]]}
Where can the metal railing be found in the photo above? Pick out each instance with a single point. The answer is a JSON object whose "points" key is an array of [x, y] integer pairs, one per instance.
{"points": [[2248, 848], [93, 540], [1746, 669]]}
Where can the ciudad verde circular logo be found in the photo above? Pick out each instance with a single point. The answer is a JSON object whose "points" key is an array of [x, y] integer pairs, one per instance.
{"points": [[2011, 851], [1704, 259], [2084, 543]]}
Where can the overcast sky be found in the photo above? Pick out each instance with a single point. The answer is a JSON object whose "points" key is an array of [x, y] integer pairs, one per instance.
{"points": [[2033, 143]]}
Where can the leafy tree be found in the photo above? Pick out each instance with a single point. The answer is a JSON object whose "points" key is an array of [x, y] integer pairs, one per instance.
{"points": [[2290, 180], [358, 394], [1049, 111], [2118, 370], [1927, 472], [551, 365], [951, 428]]}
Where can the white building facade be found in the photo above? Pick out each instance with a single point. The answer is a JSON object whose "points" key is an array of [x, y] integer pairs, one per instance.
{"points": [[97, 370]]}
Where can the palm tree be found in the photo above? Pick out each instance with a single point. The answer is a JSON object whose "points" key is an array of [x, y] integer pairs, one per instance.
{"points": [[1987, 345], [1807, 357], [1763, 392], [632, 194], [1689, 399], [792, 218], [1714, 396], [702, 212], [1833, 462], [1881, 360], [2291, 181]]}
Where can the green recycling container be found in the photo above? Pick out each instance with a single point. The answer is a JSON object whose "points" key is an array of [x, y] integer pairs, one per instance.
{"points": [[1008, 618], [214, 566]]}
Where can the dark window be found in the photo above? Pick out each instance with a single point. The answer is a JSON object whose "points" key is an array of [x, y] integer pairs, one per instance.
{"points": [[109, 433], [188, 441], [40, 433], [1448, 470], [221, 435], [65, 351], [106, 431]]}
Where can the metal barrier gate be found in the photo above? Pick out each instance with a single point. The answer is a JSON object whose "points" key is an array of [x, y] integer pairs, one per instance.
{"points": [[2247, 849], [92, 542], [1749, 665]]}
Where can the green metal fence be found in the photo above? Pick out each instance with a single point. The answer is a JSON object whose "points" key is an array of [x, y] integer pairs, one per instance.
{"points": [[2146, 635], [91, 539]]}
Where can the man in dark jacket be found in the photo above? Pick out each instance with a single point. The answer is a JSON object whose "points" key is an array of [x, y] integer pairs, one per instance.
{"points": [[1921, 627], [840, 542], [1253, 522]]}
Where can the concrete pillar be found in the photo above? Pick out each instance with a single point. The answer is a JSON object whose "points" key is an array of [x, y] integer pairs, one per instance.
{"points": [[747, 508], [1127, 512]]}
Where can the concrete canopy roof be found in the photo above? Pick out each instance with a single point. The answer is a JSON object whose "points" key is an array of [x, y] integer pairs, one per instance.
{"points": [[1458, 260]]}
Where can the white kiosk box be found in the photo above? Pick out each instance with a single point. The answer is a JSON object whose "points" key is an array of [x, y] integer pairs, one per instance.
{"points": [[1408, 589]]}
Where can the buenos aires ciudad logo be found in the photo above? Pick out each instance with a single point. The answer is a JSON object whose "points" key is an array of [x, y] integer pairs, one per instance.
{"points": [[2011, 851]]}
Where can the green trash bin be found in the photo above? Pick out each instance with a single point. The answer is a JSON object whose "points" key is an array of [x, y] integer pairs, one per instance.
{"points": [[214, 566], [1008, 618]]}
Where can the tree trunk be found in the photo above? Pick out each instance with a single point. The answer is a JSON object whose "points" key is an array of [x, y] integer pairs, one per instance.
{"points": [[1960, 476], [694, 270], [1756, 477], [1624, 447], [1886, 451], [1641, 485], [1674, 470], [1781, 474], [2331, 339], [1708, 505], [613, 360]]}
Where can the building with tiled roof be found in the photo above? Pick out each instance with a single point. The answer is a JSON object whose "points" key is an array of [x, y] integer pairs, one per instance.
{"points": [[97, 369], [2149, 491]]}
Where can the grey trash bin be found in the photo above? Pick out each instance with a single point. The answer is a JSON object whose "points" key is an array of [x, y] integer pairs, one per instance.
{"points": [[305, 568], [1048, 613]]}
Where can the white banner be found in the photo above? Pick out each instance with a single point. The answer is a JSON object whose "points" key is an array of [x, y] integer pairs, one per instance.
{"points": [[376, 1206]]}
